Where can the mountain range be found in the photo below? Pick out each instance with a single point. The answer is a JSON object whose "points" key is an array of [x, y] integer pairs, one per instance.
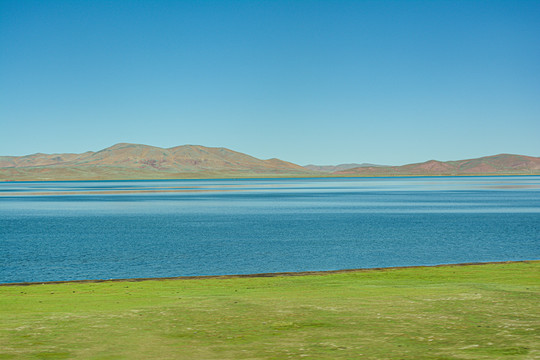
{"points": [[340, 167], [135, 161]]}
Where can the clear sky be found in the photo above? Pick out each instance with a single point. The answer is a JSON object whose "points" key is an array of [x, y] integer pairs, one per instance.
{"points": [[324, 82]]}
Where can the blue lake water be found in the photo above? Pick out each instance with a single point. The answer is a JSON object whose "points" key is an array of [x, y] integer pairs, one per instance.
{"points": [[123, 229]]}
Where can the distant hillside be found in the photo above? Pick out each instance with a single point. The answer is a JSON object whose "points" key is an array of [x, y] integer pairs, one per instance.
{"points": [[134, 161], [488, 165], [340, 167]]}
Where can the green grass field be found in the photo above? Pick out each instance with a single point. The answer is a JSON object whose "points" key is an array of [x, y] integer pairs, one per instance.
{"points": [[453, 312]]}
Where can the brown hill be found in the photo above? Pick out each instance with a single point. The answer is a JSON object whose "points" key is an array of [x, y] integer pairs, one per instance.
{"points": [[488, 165], [134, 161]]}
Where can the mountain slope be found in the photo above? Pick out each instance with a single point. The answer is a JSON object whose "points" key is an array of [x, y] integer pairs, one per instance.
{"points": [[496, 164]]}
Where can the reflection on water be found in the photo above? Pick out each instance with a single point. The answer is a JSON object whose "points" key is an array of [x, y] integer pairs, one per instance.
{"points": [[119, 229], [274, 185]]}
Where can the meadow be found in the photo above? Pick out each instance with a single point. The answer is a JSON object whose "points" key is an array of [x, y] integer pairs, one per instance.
{"points": [[487, 311]]}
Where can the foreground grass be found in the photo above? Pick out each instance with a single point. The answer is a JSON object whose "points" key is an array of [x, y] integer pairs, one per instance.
{"points": [[454, 312]]}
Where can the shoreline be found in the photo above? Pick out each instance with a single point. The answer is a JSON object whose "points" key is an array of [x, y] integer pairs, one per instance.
{"points": [[267, 275], [270, 176]]}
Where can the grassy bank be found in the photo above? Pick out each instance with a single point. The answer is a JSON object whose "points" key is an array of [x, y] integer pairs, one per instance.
{"points": [[452, 312]]}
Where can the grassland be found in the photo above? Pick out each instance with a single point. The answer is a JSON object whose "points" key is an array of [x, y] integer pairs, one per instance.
{"points": [[453, 312]]}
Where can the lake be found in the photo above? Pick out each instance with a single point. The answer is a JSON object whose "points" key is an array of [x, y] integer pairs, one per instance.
{"points": [[125, 229]]}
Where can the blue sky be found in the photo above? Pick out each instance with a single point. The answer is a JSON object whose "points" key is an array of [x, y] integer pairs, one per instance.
{"points": [[325, 82]]}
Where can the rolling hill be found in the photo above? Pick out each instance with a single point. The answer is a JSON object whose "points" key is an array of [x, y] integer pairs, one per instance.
{"points": [[502, 164], [135, 161]]}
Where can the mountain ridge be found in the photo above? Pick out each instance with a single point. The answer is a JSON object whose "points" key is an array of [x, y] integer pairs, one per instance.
{"points": [[340, 167]]}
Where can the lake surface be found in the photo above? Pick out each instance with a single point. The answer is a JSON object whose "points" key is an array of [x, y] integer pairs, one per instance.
{"points": [[123, 229]]}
